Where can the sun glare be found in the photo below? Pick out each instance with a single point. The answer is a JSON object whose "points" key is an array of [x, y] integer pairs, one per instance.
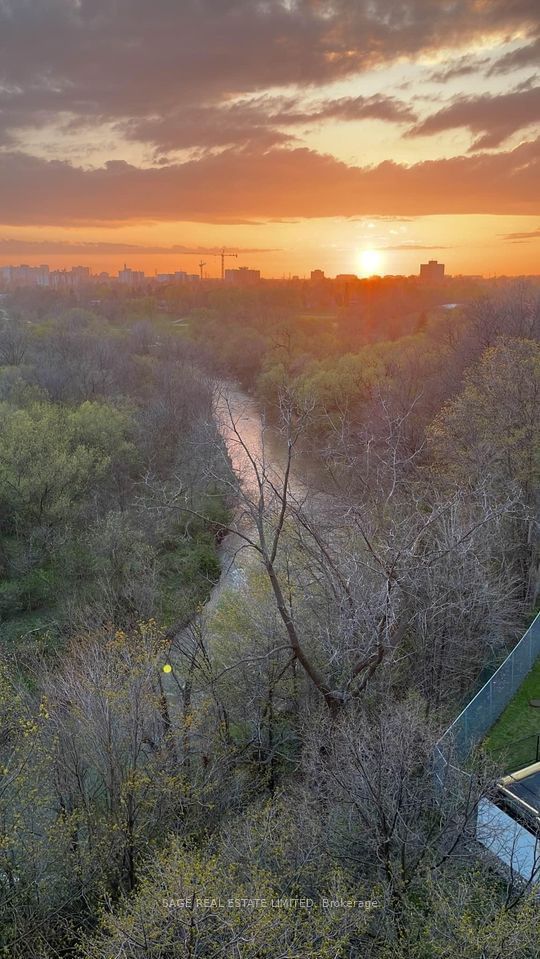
{"points": [[370, 262]]}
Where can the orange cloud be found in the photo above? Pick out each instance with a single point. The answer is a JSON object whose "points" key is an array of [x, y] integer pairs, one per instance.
{"points": [[245, 185]]}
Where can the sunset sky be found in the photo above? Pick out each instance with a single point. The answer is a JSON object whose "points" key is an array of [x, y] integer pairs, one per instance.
{"points": [[300, 132]]}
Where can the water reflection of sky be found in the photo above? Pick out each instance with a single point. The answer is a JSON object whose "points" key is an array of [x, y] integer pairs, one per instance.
{"points": [[241, 425]]}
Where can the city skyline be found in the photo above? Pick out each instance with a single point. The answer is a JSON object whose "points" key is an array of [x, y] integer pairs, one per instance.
{"points": [[16, 275], [296, 132], [44, 276]]}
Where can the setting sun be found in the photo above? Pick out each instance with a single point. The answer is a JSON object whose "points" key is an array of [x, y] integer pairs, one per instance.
{"points": [[370, 262]]}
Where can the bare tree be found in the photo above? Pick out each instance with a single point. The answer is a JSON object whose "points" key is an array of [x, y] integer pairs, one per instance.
{"points": [[344, 574]]}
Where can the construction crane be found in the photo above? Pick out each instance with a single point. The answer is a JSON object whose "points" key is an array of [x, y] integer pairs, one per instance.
{"points": [[201, 268], [222, 253]]}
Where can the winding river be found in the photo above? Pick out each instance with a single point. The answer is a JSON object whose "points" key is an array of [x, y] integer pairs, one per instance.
{"points": [[241, 424], [247, 435]]}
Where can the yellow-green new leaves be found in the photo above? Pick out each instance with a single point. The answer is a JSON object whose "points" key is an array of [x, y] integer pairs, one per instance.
{"points": [[49, 457], [491, 429], [198, 903], [464, 916]]}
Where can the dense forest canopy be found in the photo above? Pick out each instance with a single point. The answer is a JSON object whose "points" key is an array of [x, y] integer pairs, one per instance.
{"points": [[165, 740]]}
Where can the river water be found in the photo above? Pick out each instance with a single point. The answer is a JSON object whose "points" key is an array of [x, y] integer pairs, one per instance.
{"points": [[245, 435], [244, 429], [250, 440]]}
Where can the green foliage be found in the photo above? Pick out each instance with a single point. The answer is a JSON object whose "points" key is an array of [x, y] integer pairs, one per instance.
{"points": [[461, 917], [187, 572], [346, 381], [209, 903], [491, 428], [78, 526], [44, 469], [27, 593]]}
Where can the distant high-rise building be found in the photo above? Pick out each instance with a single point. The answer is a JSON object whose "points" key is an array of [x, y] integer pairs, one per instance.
{"points": [[432, 272], [180, 276], [80, 274], [130, 277], [243, 276], [25, 275], [317, 276], [42, 275], [60, 279]]}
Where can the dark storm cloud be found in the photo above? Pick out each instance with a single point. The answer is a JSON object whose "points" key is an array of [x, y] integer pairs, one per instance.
{"points": [[494, 119], [99, 59], [297, 183]]}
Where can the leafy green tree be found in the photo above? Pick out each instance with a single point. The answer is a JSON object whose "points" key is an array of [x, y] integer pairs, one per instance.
{"points": [[463, 914], [50, 459], [489, 436], [491, 428], [205, 903]]}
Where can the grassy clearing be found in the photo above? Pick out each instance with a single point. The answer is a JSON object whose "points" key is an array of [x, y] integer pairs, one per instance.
{"points": [[512, 738]]}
